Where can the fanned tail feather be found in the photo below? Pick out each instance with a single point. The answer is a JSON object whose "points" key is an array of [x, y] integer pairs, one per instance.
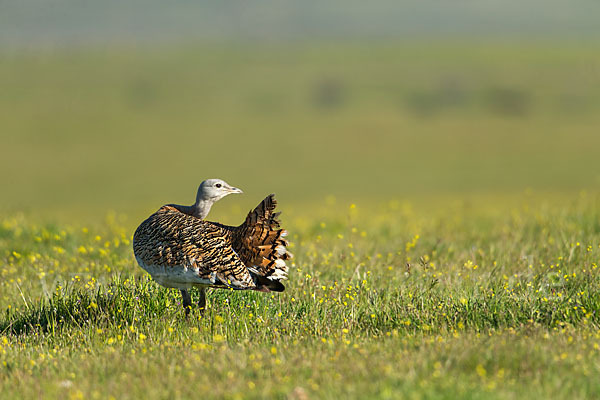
{"points": [[262, 246]]}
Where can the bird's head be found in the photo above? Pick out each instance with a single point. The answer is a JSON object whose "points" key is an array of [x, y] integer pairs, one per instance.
{"points": [[215, 189]]}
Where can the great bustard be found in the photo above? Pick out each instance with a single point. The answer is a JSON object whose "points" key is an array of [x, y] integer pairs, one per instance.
{"points": [[179, 249]]}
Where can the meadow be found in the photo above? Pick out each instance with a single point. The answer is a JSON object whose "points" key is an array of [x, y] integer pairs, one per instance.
{"points": [[446, 228], [465, 302]]}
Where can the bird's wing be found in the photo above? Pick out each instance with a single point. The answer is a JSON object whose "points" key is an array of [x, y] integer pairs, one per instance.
{"points": [[261, 245], [170, 238]]}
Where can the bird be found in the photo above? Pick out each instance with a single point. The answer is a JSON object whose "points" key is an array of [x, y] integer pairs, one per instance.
{"points": [[181, 250]]}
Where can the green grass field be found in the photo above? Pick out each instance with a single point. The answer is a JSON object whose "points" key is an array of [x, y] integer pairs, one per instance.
{"points": [[442, 201], [468, 301]]}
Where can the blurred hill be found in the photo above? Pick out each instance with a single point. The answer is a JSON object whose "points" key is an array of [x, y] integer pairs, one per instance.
{"points": [[115, 128], [63, 22], [126, 105]]}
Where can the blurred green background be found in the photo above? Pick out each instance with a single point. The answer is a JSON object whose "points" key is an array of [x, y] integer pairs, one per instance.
{"points": [[125, 106]]}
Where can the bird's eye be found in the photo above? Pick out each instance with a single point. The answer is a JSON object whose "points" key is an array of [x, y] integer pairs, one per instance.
{"points": [[218, 185]]}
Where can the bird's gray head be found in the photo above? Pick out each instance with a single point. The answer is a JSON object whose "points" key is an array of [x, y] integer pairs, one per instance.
{"points": [[214, 189]]}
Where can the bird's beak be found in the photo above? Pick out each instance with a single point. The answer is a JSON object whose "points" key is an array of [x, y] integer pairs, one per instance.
{"points": [[235, 190]]}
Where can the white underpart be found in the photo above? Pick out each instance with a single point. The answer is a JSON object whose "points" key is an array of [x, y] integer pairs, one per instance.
{"points": [[281, 272], [177, 277], [278, 275]]}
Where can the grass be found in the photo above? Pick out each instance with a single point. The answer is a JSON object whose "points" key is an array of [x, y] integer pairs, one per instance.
{"points": [[462, 301]]}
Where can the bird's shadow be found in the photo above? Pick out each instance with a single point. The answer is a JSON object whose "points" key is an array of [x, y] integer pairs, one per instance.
{"points": [[120, 302]]}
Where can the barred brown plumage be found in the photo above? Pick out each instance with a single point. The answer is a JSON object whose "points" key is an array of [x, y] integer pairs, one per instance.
{"points": [[180, 250]]}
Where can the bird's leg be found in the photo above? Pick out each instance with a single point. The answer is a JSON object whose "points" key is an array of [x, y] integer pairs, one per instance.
{"points": [[187, 301], [202, 301]]}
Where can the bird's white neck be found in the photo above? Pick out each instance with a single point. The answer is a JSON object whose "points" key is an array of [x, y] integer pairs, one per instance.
{"points": [[200, 209]]}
